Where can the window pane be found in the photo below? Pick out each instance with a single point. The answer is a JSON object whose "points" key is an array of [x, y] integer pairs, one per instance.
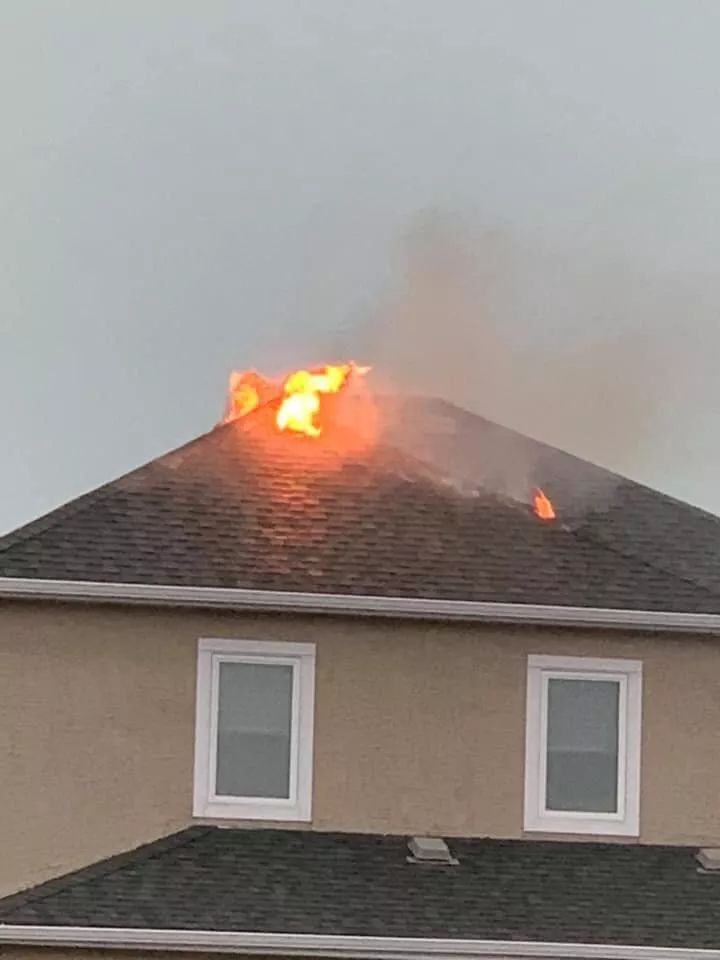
{"points": [[253, 748], [582, 745]]}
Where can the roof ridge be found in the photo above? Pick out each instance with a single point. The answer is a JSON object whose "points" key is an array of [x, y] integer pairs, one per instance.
{"points": [[103, 868], [432, 473], [82, 502], [620, 478], [71, 508], [596, 536], [47, 521], [582, 533]]}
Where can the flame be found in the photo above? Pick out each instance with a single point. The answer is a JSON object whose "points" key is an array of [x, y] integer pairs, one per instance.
{"points": [[247, 390], [243, 396], [302, 391], [299, 396], [542, 505]]}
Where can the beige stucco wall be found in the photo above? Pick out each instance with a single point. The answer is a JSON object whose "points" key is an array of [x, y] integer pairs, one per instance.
{"points": [[419, 727]]}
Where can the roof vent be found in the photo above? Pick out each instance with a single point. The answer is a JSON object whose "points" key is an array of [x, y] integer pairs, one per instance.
{"points": [[429, 850], [709, 859]]}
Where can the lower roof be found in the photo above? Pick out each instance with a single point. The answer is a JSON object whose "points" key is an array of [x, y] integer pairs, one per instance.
{"points": [[360, 885]]}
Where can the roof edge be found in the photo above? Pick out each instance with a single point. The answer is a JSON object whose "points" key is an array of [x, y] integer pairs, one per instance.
{"points": [[330, 947], [335, 604]]}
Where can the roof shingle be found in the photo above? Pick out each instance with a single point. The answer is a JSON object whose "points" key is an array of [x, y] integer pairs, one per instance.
{"points": [[242, 507], [209, 878]]}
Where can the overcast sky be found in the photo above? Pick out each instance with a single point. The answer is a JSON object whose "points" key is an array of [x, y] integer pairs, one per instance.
{"points": [[193, 186]]}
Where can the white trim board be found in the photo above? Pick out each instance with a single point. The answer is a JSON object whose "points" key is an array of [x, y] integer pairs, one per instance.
{"points": [[335, 604], [331, 946]]}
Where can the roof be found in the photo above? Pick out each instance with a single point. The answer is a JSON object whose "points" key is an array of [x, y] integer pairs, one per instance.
{"points": [[438, 508], [304, 882]]}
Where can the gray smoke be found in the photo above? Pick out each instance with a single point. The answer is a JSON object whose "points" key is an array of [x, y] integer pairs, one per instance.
{"points": [[483, 317]]}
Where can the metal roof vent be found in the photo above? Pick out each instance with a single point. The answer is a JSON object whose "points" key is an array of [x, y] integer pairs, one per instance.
{"points": [[709, 859], [429, 850]]}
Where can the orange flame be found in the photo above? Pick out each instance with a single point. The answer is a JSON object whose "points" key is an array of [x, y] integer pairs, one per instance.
{"points": [[302, 392], [299, 396], [243, 394], [542, 505]]}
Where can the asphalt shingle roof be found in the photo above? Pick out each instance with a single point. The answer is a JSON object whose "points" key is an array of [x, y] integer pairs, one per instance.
{"points": [[429, 511], [207, 878]]}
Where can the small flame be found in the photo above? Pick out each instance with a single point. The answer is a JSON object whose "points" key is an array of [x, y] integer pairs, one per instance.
{"points": [[243, 394], [542, 505]]}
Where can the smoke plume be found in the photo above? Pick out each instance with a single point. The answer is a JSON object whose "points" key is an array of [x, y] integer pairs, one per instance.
{"points": [[586, 367]]}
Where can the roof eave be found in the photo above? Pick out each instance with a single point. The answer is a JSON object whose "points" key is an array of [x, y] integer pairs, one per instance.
{"points": [[330, 946], [335, 604]]}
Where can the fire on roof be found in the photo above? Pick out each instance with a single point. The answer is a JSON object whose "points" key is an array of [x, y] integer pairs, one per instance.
{"points": [[307, 404], [299, 397]]}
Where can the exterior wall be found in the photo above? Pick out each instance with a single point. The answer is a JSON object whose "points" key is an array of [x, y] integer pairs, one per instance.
{"points": [[419, 727]]}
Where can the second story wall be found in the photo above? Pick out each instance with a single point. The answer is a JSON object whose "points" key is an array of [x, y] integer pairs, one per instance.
{"points": [[419, 728]]}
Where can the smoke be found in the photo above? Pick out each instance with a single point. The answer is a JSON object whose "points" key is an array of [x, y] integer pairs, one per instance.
{"points": [[572, 347], [435, 334]]}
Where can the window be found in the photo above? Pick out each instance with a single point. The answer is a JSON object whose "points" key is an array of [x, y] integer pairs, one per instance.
{"points": [[254, 727], [582, 746]]}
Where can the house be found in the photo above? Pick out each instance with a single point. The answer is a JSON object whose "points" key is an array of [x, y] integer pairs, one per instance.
{"points": [[263, 696]]}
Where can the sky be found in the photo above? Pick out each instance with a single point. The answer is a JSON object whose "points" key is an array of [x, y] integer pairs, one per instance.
{"points": [[510, 203]]}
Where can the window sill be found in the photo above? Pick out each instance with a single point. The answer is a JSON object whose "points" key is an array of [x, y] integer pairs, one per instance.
{"points": [[598, 826], [251, 810]]}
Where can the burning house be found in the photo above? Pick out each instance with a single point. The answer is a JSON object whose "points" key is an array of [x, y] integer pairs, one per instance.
{"points": [[361, 676]]}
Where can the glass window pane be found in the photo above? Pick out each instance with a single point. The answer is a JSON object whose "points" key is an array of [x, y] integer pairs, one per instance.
{"points": [[582, 745], [254, 717]]}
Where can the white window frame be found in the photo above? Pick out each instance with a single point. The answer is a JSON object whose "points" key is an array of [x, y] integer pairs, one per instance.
{"points": [[301, 657], [628, 673]]}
